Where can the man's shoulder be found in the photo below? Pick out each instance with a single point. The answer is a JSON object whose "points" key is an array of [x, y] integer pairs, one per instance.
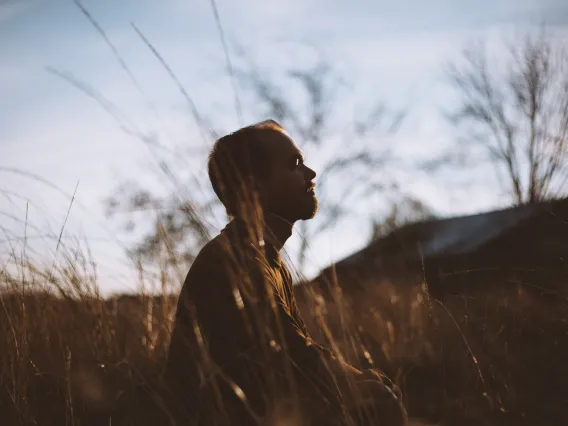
{"points": [[220, 253], [205, 273], [212, 253]]}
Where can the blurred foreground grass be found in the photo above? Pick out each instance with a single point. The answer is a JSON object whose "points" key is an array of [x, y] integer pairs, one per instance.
{"points": [[68, 356]]}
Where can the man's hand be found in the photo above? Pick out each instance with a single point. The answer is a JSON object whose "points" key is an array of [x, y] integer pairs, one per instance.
{"points": [[376, 376], [370, 395], [380, 399]]}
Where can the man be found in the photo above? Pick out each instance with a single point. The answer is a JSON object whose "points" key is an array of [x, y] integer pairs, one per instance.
{"points": [[240, 352]]}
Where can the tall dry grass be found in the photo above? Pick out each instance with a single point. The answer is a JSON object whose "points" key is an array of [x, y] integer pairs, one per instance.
{"points": [[69, 356]]}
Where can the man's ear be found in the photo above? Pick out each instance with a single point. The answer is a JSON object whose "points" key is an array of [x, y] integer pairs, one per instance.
{"points": [[255, 185]]}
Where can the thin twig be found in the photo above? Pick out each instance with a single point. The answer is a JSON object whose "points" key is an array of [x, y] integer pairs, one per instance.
{"points": [[62, 229], [196, 116], [228, 61], [103, 34]]}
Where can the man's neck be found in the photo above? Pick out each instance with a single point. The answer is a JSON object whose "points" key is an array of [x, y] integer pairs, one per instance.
{"points": [[277, 230]]}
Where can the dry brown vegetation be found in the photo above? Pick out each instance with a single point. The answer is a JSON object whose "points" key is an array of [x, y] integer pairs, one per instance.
{"points": [[71, 357]]}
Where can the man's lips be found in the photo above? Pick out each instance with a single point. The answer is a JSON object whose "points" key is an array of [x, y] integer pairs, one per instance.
{"points": [[310, 188]]}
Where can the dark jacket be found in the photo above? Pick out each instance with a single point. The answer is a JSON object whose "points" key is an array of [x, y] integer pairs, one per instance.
{"points": [[239, 342]]}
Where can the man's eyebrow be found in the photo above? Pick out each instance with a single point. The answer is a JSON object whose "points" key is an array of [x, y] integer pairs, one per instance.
{"points": [[298, 155]]}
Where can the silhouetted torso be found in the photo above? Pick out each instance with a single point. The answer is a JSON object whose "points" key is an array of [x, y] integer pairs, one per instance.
{"points": [[237, 323]]}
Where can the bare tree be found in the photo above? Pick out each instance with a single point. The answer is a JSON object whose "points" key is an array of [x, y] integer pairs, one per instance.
{"points": [[516, 108]]}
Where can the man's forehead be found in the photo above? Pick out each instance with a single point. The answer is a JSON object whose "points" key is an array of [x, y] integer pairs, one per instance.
{"points": [[282, 144]]}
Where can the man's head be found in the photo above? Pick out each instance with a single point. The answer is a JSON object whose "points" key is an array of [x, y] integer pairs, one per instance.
{"points": [[263, 161]]}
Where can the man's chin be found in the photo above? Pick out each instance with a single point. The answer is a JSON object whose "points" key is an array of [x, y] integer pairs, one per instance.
{"points": [[310, 212]]}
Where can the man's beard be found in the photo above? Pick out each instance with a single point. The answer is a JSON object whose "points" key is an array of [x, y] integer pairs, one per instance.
{"points": [[297, 209], [311, 212]]}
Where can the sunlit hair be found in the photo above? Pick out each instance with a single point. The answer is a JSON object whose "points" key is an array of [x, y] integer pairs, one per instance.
{"points": [[237, 156]]}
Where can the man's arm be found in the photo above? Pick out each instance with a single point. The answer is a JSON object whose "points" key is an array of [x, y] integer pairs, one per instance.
{"points": [[240, 318], [313, 361]]}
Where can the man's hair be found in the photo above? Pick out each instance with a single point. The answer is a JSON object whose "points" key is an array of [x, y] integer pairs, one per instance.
{"points": [[237, 156]]}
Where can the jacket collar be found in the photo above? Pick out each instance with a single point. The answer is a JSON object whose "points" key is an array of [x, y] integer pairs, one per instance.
{"points": [[238, 231]]}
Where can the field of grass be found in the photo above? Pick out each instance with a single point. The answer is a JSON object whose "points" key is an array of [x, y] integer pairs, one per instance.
{"points": [[68, 356]]}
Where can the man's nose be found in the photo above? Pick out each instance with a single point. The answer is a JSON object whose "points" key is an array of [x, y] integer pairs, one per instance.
{"points": [[310, 173]]}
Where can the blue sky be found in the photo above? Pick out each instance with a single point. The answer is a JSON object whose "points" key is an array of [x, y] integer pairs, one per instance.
{"points": [[390, 51]]}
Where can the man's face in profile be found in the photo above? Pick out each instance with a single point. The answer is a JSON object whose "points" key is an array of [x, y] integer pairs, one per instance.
{"points": [[288, 191]]}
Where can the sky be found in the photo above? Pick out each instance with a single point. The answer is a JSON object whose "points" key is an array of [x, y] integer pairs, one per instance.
{"points": [[387, 51]]}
